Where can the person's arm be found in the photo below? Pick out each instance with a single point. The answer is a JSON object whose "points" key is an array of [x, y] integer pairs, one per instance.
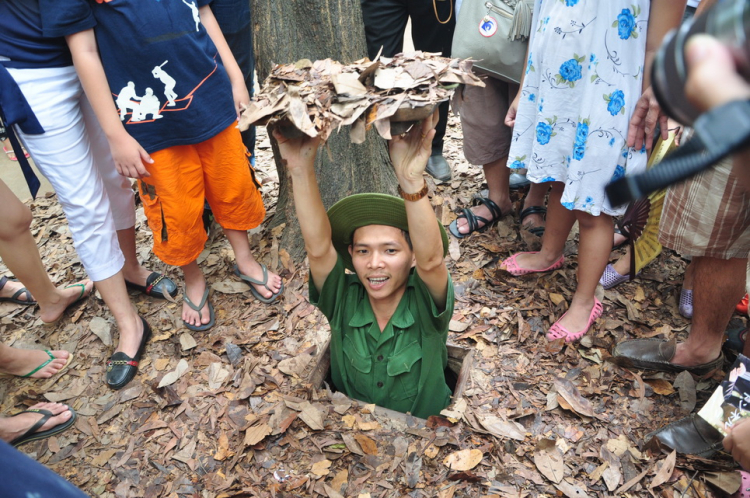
{"points": [[298, 156], [712, 81], [409, 155], [664, 16], [239, 89], [127, 153]]}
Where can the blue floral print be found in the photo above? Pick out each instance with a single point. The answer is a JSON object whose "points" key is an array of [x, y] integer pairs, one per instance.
{"points": [[582, 134], [543, 133], [615, 102], [518, 163], [570, 3], [619, 172], [570, 70], [548, 179], [625, 24], [569, 205], [532, 97]]}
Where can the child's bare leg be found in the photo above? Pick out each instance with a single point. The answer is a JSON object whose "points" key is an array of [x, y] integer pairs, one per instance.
{"points": [[129, 324], [593, 253], [195, 286], [249, 266], [559, 222]]}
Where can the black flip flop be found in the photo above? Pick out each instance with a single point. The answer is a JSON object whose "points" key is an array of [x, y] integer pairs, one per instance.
{"points": [[264, 283], [473, 220], [32, 435], [15, 298], [538, 231]]}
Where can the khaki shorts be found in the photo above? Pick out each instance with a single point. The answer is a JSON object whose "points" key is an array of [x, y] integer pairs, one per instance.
{"points": [[482, 112], [708, 215]]}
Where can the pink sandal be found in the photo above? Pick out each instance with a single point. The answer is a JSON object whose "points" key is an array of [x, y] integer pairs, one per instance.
{"points": [[744, 491], [510, 265], [557, 331], [12, 155]]}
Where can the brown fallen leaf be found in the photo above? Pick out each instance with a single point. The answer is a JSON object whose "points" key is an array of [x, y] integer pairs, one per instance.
{"points": [[550, 463], [463, 459], [665, 470], [661, 386], [256, 433], [578, 403], [367, 444], [321, 468]]}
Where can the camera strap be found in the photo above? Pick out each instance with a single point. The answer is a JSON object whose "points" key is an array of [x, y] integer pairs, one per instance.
{"points": [[717, 134]]}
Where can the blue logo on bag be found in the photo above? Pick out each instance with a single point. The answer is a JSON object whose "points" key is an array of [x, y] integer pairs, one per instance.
{"points": [[488, 26]]}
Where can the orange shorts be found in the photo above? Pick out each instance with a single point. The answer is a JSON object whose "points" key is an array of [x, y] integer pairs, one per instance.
{"points": [[217, 170]]}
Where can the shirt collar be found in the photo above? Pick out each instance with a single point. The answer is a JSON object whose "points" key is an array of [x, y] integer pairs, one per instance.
{"points": [[402, 317]]}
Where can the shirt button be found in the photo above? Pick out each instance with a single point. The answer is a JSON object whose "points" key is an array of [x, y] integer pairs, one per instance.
{"points": [[380, 384], [380, 357]]}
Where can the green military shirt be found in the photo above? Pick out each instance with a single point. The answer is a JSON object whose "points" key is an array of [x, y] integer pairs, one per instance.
{"points": [[401, 368]]}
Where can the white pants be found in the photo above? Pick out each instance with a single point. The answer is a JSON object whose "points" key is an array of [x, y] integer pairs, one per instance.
{"points": [[74, 155]]}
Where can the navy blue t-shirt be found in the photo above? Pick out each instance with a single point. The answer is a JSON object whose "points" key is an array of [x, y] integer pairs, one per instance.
{"points": [[164, 72], [31, 37]]}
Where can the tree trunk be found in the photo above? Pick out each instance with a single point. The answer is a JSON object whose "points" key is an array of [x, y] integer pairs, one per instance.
{"points": [[290, 30]]}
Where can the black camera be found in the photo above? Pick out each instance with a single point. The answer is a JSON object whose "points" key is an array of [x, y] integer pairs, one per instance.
{"points": [[729, 22]]}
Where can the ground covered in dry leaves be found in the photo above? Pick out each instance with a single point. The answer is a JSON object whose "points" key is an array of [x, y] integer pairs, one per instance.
{"points": [[232, 412]]}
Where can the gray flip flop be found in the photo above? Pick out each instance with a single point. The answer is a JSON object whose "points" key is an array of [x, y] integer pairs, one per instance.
{"points": [[264, 283], [205, 326]]}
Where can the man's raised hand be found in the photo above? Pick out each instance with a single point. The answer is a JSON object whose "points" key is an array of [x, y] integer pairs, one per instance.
{"points": [[297, 153], [410, 152]]}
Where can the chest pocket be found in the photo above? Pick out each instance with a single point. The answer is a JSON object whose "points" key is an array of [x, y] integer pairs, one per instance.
{"points": [[358, 367], [404, 366]]}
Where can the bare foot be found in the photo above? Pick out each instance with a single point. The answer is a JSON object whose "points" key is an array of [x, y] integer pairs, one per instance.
{"points": [[130, 338], [253, 270], [691, 357], [11, 287], [19, 362], [66, 296], [195, 290], [17, 425]]}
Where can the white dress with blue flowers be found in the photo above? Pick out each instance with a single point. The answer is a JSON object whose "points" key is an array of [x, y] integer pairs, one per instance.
{"points": [[583, 79]]}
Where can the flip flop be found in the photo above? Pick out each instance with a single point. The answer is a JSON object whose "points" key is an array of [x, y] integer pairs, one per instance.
{"points": [[538, 231], [51, 358], [204, 299], [15, 298], [264, 283], [77, 300], [473, 220], [31, 435]]}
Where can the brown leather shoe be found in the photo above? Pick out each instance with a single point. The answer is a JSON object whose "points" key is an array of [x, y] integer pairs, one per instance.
{"points": [[655, 354], [691, 435]]}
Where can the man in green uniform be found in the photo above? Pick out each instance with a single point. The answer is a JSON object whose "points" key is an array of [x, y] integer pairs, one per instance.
{"points": [[389, 320]]}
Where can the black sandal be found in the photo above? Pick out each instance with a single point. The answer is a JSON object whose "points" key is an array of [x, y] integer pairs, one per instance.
{"points": [[538, 231], [16, 297], [473, 220]]}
